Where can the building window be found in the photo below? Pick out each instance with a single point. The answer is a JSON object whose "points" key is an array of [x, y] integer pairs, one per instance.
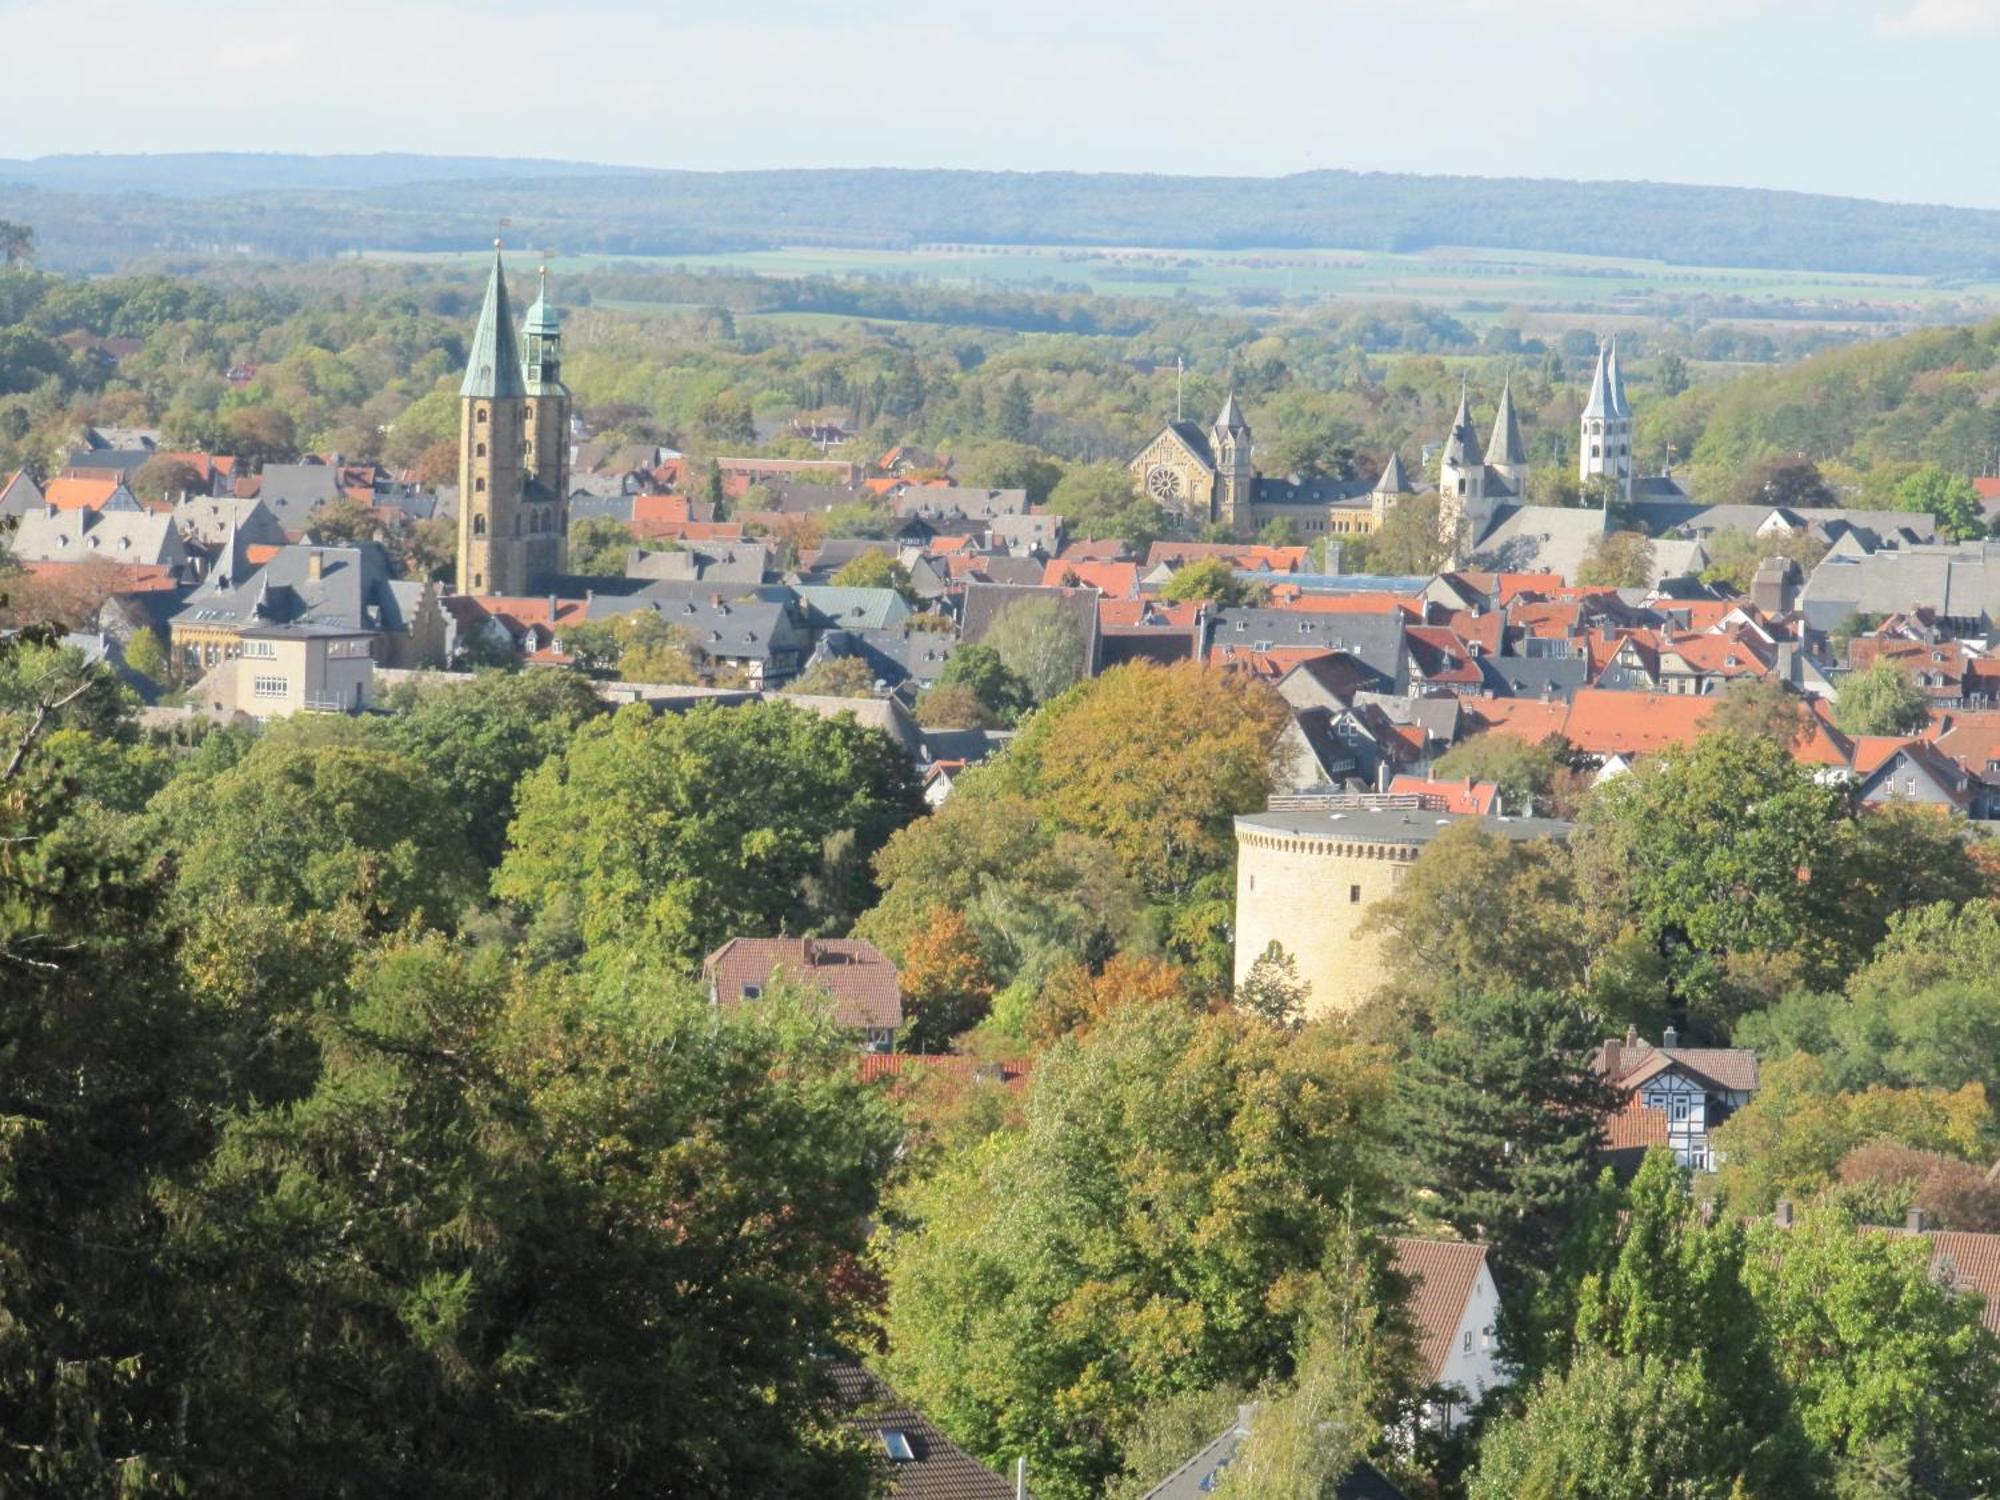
{"points": [[269, 687], [753, 991], [266, 649], [479, 486], [1468, 1341], [479, 450], [479, 414], [1679, 1111], [479, 526], [1354, 895]]}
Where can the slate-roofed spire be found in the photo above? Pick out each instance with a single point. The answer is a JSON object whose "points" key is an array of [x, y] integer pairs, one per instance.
{"points": [[1231, 417], [1462, 446], [1615, 382], [1507, 447], [1600, 404], [493, 368], [1394, 481]]}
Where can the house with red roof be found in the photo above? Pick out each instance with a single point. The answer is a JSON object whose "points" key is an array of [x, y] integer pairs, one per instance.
{"points": [[1455, 1305], [1469, 797], [1696, 1088], [863, 986]]}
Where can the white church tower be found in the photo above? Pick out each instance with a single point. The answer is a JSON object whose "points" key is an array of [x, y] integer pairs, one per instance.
{"points": [[1464, 509], [1604, 445]]}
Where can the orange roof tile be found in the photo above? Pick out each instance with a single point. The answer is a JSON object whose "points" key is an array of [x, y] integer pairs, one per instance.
{"points": [[1471, 797], [1528, 719], [1635, 1128], [67, 493], [1114, 580], [1130, 614]]}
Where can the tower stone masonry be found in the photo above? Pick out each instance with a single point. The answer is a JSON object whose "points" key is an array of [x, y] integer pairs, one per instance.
{"points": [[513, 449]]}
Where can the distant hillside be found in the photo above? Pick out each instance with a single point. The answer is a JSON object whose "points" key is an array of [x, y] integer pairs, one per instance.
{"points": [[98, 211], [220, 174]]}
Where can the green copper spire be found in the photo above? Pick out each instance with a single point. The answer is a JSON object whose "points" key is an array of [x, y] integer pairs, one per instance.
{"points": [[493, 369], [541, 317]]}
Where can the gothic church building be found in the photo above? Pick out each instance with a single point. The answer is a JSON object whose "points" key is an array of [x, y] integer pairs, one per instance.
{"points": [[513, 448]]}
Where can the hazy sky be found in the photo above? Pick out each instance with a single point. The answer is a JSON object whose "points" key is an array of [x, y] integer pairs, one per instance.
{"points": [[1879, 98]]}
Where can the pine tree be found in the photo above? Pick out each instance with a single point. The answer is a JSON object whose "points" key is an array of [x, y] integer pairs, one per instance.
{"points": [[1013, 421], [1498, 1113]]}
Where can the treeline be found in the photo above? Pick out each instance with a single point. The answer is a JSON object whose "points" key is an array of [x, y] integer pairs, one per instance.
{"points": [[686, 212]]}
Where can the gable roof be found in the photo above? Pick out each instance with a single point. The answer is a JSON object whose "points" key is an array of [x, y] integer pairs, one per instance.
{"points": [[862, 982], [1442, 1274], [937, 1469]]}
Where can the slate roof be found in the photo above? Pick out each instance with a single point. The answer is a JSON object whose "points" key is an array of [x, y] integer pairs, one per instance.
{"points": [[742, 629], [937, 1468], [1375, 640], [292, 492], [986, 602], [352, 592], [1392, 826], [855, 973], [827, 606], [953, 500], [1506, 446], [121, 536], [1442, 1275], [1542, 538], [493, 363]]}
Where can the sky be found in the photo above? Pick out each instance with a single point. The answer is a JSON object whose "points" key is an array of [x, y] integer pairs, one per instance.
{"points": [[1874, 98]]}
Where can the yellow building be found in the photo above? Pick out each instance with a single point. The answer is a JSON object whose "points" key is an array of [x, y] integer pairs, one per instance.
{"points": [[287, 669], [1207, 477], [1306, 879]]}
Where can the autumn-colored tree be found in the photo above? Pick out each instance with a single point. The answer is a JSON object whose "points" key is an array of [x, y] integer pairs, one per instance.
{"points": [[947, 981], [167, 476], [1157, 762], [835, 677]]}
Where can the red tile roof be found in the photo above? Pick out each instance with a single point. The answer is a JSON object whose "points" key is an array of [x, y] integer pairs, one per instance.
{"points": [[1527, 719], [1443, 1274], [1629, 1063], [898, 1066], [1468, 796], [1249, 557], [1116, 580], [1135, 614], [66, 493], [863, 983], [1635, 1128]]}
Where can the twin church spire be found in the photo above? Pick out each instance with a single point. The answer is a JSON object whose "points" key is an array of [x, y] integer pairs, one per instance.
{"points": [[513, 451]]}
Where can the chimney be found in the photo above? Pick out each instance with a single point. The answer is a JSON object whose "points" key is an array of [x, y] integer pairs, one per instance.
{"points": [[1631, 1036], [1670, 1039], [1916, 1221], [315, 564], [1782, 1217]]}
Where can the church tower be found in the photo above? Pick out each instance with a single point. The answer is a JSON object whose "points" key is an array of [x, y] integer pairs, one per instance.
{"points": [[510, 475], [1506, 454], [1463, 511], [1235, 479], [546, 456], [1604, 443]]}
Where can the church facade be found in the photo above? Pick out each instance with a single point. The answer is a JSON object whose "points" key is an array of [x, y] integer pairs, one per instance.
{"points": [[1207, 476], [513, 448]]}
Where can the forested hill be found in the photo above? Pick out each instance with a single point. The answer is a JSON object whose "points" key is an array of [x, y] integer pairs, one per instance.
{"points": [[93, 211]]}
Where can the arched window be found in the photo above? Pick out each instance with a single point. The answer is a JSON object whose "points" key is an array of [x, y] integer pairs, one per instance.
{"points": [[479, 450], [479, 486], [479, 414], [479, 526]]}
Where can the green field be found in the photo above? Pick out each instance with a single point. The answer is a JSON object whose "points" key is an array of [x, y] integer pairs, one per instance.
{"points": [[1467, 281]]}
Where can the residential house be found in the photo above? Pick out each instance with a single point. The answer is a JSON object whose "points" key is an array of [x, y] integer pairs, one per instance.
{"points": [[278, 670], [922, 1463], [862, 984], [135, 538], [347, 588], [1455, 1305], [1905, 769], [1697, 1088]]}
